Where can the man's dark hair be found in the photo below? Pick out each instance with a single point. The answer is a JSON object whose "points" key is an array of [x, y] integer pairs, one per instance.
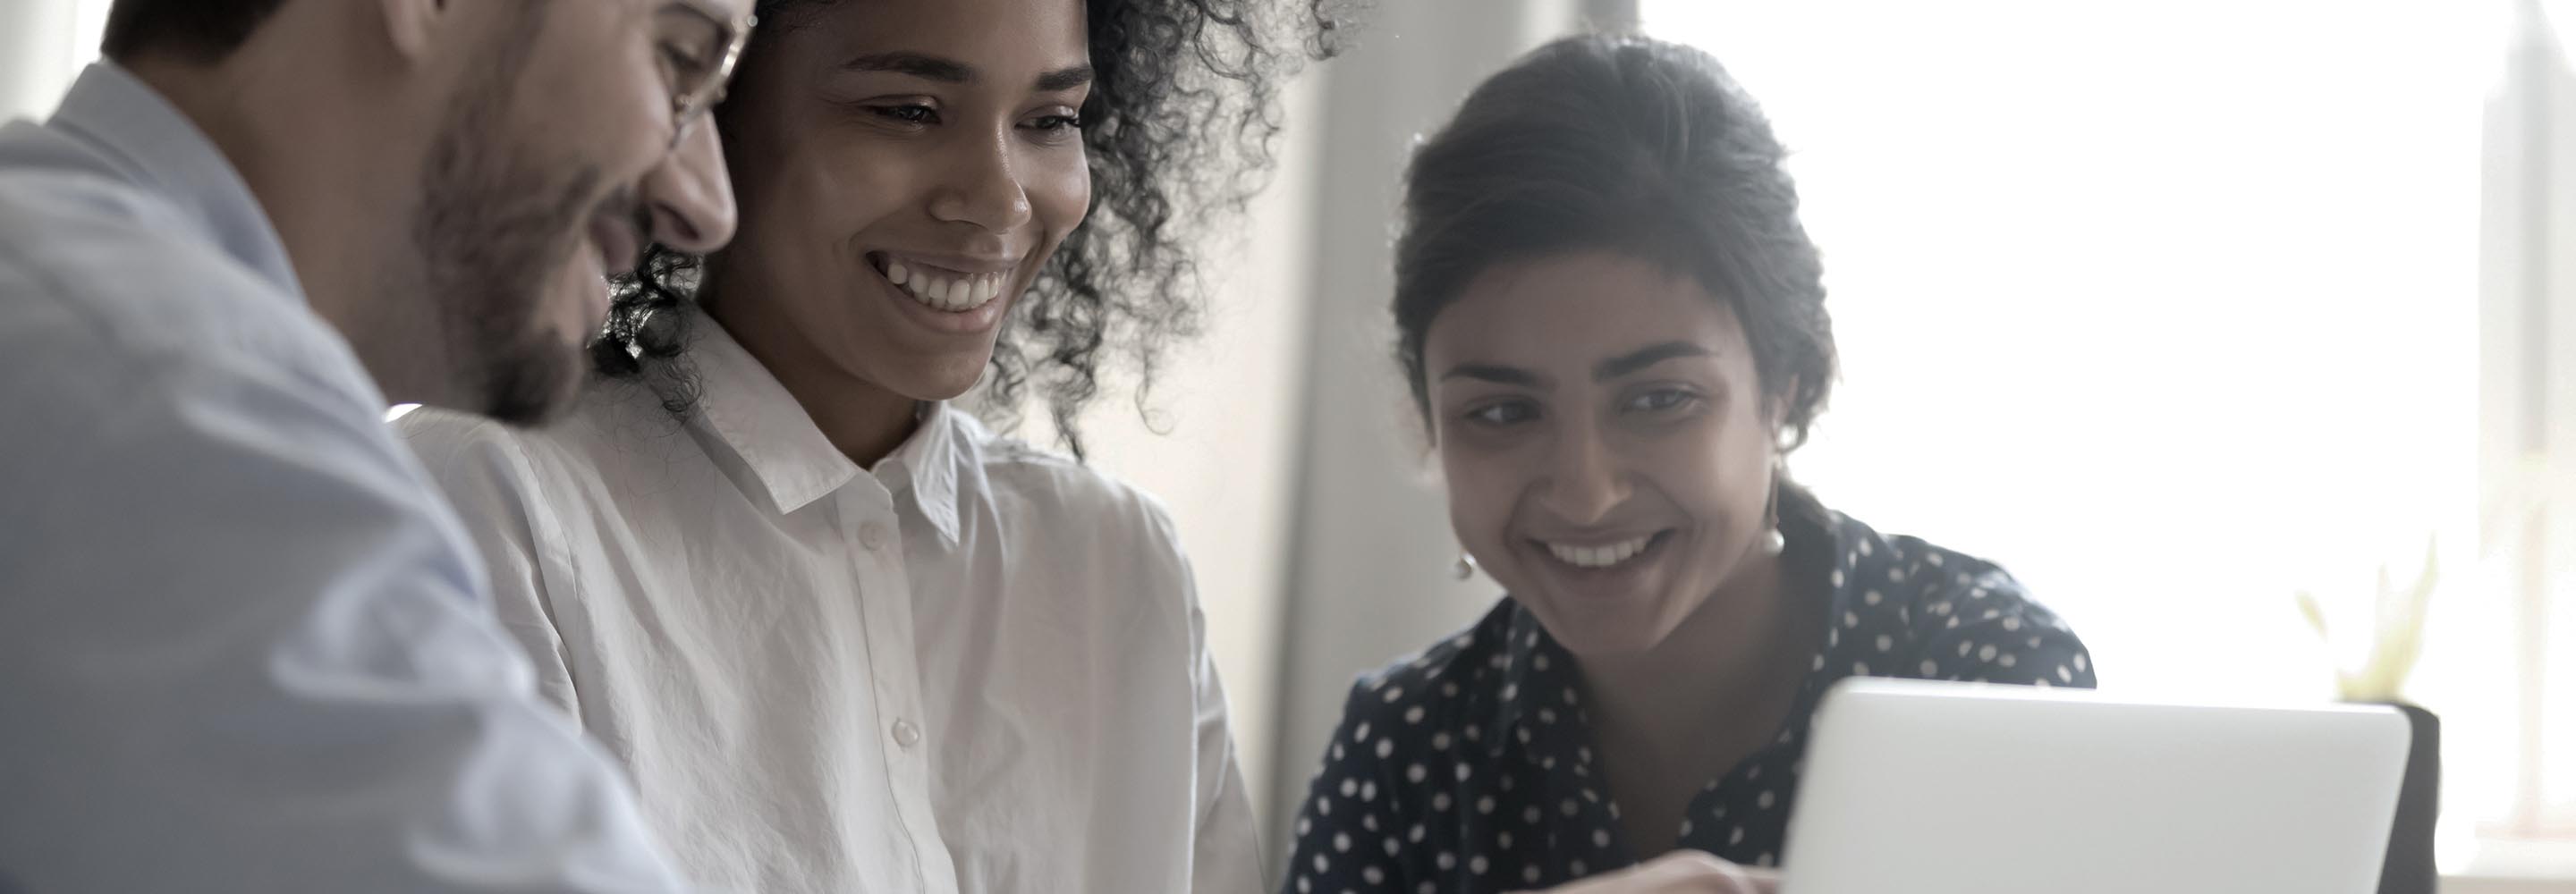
{"points": [[198, 30]]}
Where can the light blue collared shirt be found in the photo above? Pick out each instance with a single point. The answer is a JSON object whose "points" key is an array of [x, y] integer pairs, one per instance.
{"points": [[244, 646]]}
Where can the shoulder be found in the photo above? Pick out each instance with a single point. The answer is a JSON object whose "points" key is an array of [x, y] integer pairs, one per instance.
{"points": [[442, 437], [114, 417], [473, 458], [102, 272], [567, 468], [1936, 587], [1065, 495], [1446, 674], [1437, 698], [65, 204], [608, 416], [119, 324], [1968, 618], [46, 176], [1409, 732]]}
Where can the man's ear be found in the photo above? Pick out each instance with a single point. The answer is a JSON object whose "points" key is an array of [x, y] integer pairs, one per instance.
{"points": [[414, 27]]}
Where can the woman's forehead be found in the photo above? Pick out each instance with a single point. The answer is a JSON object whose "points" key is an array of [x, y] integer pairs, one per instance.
{"points": [[1040, 33], [1575, 310]]}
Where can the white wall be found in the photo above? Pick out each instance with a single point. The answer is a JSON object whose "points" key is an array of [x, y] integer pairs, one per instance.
{"points": [[1216, 442], [2176, 310], [1369, 573], [43, 44]]}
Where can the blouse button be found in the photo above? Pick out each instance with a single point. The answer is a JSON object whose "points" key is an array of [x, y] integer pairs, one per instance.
{"points": [[872, 536], [906, 734]]}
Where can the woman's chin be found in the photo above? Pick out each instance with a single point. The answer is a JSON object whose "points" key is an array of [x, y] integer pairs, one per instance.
{"points": [[1596, 630], [933, 379], [946, 389]]}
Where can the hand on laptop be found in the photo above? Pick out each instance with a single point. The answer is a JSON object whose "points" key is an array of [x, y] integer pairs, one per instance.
{"points": [[1679, 872]]}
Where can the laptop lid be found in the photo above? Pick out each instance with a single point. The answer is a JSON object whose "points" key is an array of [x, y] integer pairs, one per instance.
{"points": [[1952, 788]]}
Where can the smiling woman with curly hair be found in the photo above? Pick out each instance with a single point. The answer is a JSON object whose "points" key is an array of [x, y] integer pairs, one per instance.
{"points": [[1179, 120], [844, 636]]}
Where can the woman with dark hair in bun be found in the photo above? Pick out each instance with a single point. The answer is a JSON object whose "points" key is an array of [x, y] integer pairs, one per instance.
{"points": [[1614, 327]]}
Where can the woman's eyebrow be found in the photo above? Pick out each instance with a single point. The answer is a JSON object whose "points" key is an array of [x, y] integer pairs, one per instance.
{"points": [[919, 65], [1064, 79], [1650, 355], [1503, 375]]}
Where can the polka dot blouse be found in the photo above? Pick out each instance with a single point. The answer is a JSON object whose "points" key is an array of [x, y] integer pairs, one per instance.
{"points": [[1471, 767]]}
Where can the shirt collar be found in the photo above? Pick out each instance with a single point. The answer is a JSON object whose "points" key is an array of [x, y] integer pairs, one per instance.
{"points": [[755, 417], [150, 142], [929, 463]]}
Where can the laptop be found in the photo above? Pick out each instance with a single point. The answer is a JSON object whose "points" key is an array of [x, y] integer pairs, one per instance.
{"points": [[1955, 788]]}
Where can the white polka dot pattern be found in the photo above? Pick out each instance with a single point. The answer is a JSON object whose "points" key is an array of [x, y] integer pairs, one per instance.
{"points": [[1479, 751]]}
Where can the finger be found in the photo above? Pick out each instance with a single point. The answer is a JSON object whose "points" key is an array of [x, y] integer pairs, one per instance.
{"points": [[1651, 877], [1739, 880], [1694, 872], [1679, 872]]}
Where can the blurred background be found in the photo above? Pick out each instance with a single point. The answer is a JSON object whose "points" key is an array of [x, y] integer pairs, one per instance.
{"points": [[2179, 310]]}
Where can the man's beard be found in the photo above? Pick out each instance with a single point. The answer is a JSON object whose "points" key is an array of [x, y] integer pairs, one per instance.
{"points": [[495, 228]]}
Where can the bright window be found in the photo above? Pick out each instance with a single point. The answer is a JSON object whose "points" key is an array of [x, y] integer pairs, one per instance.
{"points": [[2179, 309], [43, 46]]}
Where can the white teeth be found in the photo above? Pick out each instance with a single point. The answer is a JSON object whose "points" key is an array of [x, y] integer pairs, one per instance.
{"points": [[945, 293], [1599, 556]]}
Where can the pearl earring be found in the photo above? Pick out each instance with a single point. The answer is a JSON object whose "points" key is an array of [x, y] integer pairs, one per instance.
{"points": [[1466, 566], [1775, 541]]}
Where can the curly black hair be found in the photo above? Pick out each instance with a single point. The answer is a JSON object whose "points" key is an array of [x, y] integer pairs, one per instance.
{"points": [[1178, 128]]}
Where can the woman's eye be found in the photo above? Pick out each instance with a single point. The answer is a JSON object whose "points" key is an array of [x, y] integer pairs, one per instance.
{"points": [[908, 114], [1501, 414], [680, 65], [1056, 123], [1662, 400]]}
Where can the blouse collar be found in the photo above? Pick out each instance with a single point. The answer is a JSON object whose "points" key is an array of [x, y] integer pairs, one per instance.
{"points": [[1538, 703], [754, 416]]}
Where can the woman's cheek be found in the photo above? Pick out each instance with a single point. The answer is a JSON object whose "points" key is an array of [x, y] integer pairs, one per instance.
{"points": [[1061, 196]]}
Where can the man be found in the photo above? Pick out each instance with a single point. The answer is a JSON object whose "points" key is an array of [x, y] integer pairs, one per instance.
{"points": [[243, 647]]}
